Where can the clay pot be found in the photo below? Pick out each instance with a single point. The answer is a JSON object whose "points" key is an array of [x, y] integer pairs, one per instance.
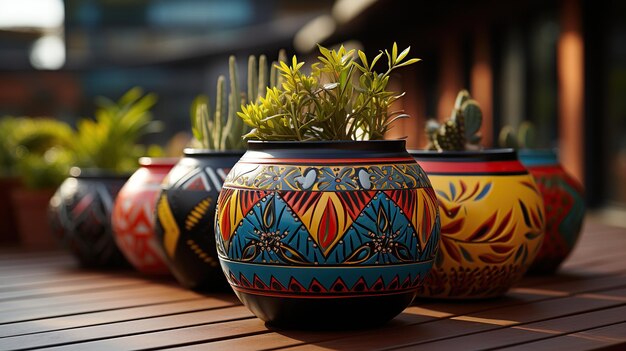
{"points": [[326, 234], [492, 222], [133, 215], [184, 217], [80, 214], [9, 234], [564, 205], [31, 215]]}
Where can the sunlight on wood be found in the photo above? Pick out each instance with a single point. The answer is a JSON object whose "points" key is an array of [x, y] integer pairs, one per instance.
{"points": [[427, 312], [502, 322], [603, 297], [545, 292], [539, 330]]}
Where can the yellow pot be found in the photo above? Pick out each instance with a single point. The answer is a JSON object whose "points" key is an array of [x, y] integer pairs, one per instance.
{"points": [[492, 222]]}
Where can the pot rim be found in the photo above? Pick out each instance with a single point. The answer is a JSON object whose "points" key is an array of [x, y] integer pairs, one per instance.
{"points": [[147, 161], [256, 145], [92, 173], [495, 154], [214, 153]]}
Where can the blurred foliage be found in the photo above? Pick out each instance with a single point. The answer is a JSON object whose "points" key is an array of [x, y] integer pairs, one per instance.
{"points": [[524, 138], [40, 151], [111, 140]]}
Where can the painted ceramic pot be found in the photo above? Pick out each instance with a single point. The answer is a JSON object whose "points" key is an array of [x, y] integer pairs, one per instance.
{"points": [[133, 215], [564, 204], [80, 214], [326, 234], [492, 222], [184, 217]]}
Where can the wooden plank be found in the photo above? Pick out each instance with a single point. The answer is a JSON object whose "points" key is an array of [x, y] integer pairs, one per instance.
{"points": [[283, 339], [60, 278], [468, 324], [587, 285], [72, 287], [77, 297], [20, 255], [605, 338], [502, 337], [118, 315], [107, 300], [173, 337], [121, 329], [36, 263]]}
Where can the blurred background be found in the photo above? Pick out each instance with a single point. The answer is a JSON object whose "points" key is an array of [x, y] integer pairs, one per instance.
{"points": [[559, 64]]}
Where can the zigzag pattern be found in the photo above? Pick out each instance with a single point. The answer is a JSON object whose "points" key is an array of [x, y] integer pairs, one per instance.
{"points": [[338, 287]]}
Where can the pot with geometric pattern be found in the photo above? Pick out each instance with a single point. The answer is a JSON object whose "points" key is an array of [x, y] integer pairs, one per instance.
{"points": [[80, 215], [184, 216], [564, 204], [133, 215], [492, 222], [326, 234]]}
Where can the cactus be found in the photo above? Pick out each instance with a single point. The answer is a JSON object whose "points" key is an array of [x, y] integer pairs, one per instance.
{"points": [[222, 129], [507, 138], [524, 139], [461, 131]]}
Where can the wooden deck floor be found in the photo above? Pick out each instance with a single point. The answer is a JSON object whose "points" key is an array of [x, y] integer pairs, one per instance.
{"points": [[47, 302]]}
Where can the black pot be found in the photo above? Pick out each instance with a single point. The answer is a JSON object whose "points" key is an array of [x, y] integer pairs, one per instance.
{"points": [[80, 215], [184, 217]]}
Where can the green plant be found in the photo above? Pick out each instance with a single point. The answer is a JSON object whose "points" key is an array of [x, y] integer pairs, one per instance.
{"points": [[341, 99], [525, 138], [461, 130], [8, 125], [222, 129], [37, 150], [111, 140]]}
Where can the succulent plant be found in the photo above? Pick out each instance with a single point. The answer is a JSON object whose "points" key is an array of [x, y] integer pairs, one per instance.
{"points": [[222, 129], [342, 98], [525, 138], [461, 131]]}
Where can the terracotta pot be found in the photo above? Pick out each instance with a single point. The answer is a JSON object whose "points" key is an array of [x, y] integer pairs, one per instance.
{"points": [[80, 214], [9, 234], [492, 222], [564, 205], [31, 214], [184, 217], [133, 215], [326, 234]]}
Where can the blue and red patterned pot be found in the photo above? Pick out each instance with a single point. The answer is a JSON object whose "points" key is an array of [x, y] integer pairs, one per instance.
{"points": [[80, 214], [185, 211], [564, 204], [326, 234]]}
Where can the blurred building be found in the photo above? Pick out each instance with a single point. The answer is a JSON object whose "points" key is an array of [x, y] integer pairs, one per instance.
{"points": [[560, 64]]}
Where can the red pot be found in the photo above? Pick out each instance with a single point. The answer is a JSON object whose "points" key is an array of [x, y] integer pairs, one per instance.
{"points": [[133, 215], [565, 208]]}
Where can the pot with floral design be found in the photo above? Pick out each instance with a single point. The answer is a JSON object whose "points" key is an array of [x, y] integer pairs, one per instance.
{"points": [[492, 222], [133, 215], [323, 234], [80, 214], [184, 216], [564, 205]]}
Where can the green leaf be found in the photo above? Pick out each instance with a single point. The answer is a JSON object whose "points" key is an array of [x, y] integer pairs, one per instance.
{"points": [[408, 62], [403, 54]]}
